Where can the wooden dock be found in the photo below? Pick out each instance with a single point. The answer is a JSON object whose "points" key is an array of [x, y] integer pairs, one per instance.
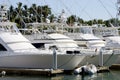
{"points": [[102, 69], [45, 72], [115, 67]]}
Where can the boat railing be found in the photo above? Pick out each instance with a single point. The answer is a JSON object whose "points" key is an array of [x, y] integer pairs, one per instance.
{"points": [[88, 51], [37, 36], [95, 51], [74, 50], [73, 35], [26, 51], [6, 53], [44, 52], [106, 31], [8, 27]]}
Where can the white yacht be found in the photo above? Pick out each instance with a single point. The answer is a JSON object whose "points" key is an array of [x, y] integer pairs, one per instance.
{"points": [[108, 34], [45, 40], [40, 36], [111, 36], [17, 52], [89, 45], [82, 34], [85, 38]]}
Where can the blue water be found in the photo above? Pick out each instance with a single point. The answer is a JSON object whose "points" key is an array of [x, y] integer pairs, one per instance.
{"points": [[112, 75]]}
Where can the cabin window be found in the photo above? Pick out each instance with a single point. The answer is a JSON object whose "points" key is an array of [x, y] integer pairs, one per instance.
{"points": [[2, 48], [39, 45], [69, 52]]}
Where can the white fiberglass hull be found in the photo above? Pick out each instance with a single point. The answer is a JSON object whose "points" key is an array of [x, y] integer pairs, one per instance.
{"points": [[45, 61], [117, 52], [108, 59], [118, 60]]}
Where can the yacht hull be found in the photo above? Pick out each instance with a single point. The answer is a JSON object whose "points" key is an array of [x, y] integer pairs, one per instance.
{"points": [[117, 52], [108, 59], [40, 61]]}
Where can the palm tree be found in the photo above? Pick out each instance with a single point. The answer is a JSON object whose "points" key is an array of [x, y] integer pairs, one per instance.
{"points": [[90, 22], [11, 13], [71, 20], [46, 11], [25, 14], [52, 17], [81, 21], [19, 8], [25, 10]]}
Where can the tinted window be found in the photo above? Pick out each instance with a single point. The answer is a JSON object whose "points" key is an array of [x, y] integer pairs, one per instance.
{"points": [[2, 48]]}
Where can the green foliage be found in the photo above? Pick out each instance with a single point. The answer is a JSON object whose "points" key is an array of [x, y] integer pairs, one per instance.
{"points": [[71, 20], [24, 14], [36, 13]]}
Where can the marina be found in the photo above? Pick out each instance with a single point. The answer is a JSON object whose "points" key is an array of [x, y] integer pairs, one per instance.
{"points": [[51, 72], [113, 74], [42, 72], [18, 52], [34, 43]]}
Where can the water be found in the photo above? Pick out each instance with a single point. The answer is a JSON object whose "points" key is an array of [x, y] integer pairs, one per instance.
{"points": [[112, 75]]}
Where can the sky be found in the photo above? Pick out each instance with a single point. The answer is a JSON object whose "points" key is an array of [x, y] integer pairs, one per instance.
{"points": [[85, 9]]}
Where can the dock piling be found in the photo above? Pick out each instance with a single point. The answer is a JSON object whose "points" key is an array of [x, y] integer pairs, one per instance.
{"points": [[100, 57], [54, 59]]}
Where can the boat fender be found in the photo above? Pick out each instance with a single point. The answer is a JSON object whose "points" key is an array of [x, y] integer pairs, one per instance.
{"points": [[77, 71], [3, 73]]}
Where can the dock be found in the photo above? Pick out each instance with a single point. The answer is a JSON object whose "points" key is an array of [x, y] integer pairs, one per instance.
{"points": [[44, 72], [115, 67], [102, 69]]}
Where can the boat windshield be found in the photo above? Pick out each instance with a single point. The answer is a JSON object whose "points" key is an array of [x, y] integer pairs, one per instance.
{"points": [[86, 30], [106, 31], [8, 28], [2, 48]]}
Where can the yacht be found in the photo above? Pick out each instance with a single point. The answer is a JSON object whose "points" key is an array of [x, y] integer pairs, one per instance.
{"points": [[81, 33], [85, 38], [53, 35], [17, 52], [54, 38], [110, 35]]}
